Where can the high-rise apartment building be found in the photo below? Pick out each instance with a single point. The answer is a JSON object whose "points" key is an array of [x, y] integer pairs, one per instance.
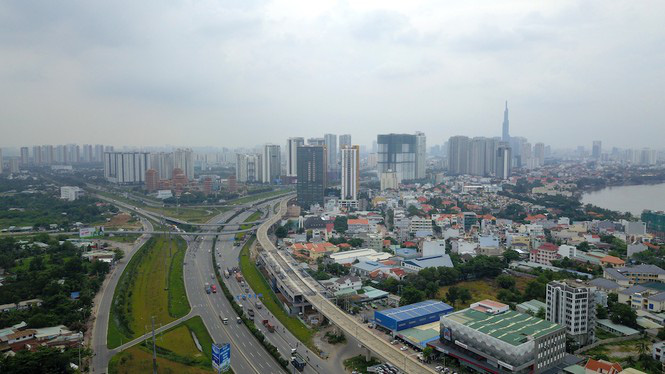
{"points": [[87, 153], [421, 155], [248, 168], [272, 163], [25, 156], [48, 154], [162, 162], [316, 141], [36, 155], [184, 159], [571, 304], [344, 140], [350, 176], [526, 156], [596, 149], [482, 156], [397, 152], [312, 175], [504, 161], [539, 154], [505, 134], [126, 167], [331, 146], [99, 153], [292, 145], [458, 155]]}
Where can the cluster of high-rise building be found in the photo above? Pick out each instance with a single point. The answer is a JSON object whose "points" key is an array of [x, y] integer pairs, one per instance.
{"points": [[149, 168], [402, 154], [66, 154]]}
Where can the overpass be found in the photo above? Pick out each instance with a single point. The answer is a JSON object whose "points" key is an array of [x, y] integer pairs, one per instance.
{"points": [[174, 232], [313, 292]]}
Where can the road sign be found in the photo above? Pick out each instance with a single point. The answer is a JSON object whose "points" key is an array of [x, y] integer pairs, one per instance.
{"points": [[221, 357]]}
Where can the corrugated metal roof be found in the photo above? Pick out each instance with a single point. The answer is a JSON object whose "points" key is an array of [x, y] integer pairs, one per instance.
{"points": [[416, 310]]}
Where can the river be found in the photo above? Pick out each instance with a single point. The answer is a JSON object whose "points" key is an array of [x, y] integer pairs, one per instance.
{"points": [[633, 199]]}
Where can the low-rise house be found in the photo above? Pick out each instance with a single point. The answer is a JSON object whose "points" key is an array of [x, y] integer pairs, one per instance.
{"points": [[364, 268], [601, 367], [356, 226], [626, 276], [612, 261], [313, 251], [363, 254], [347, 282], [658, 351], [544, 254]]}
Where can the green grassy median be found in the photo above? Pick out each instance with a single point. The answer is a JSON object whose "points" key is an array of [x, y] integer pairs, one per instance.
{"points": [[145, 290]]}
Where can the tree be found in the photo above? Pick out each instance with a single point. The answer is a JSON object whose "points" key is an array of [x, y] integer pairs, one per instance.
{"points": [[452, 295], [427, 353], [601, 312], [281, 232], [584, 246], [661, 334], [341, 224], [541, 313], [411, 295], [464, 295], [510, 255], [535, 290], [623, 314], [505, 281]]}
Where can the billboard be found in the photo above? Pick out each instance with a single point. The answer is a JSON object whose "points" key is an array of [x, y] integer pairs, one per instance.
{"points": [[91, 232], [221, 357]]}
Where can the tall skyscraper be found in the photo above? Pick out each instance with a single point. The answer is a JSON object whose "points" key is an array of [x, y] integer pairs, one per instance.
{"points": [[272, 163], [350, 176], [505, 135], [126, 167], [312, 175], [539, 154], [99, 153], [526, 156], [151, 180], [87, 153], [596, 149], [344, 140], [184, 159], [316, 141], [248, 168], [421, 155], [25, 156], [36, 155], [292, 145], [331, 146], [572, 304], [504, 161], [458, 155], [397, 152]]}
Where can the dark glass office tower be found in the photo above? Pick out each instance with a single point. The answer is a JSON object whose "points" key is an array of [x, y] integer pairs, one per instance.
{"points": [[312, 168]]}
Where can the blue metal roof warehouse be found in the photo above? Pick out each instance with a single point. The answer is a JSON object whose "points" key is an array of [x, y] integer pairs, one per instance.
{"points": [[409, 316]]}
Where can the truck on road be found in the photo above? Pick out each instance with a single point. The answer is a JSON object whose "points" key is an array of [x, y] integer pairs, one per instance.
{"points": [[226, 273], [250, 313], [238, 277], [268, 325]]}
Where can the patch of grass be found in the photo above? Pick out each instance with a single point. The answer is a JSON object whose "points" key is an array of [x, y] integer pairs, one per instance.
{"points": [[178, 341], [480, 289], [258, 283], [253, 217], [128, 238], [619, 352], [358, 363], [258, 196], [138, 359], [142, 292], [603, 334]]}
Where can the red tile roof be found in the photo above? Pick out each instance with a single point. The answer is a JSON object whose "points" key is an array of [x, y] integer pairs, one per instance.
{"points": [[359, 221], [602, 366]]}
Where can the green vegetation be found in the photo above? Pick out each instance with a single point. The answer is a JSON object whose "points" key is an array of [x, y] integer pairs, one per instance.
{"points": [[258, 283], [189, 214], [44, 207], [619, 352], [257, 196], [603, 334], [143, 290], [359, 364], [50, 274], [272, 350], [42, 361]]}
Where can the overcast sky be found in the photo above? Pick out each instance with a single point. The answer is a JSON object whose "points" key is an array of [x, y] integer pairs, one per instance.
{"points": [[244, 72]]}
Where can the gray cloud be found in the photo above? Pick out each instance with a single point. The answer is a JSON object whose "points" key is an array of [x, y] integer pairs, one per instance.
{"points": [[247, 72]]}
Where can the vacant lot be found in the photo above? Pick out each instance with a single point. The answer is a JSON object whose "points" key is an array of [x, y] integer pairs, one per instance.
{"points": [[619, 352], [481, 289], [151, 285]]}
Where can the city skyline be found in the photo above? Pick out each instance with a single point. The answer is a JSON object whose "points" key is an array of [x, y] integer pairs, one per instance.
{"points": [[223, 71]]}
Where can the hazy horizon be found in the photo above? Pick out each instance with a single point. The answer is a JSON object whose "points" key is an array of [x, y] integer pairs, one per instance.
{"points": [[243, 73]]}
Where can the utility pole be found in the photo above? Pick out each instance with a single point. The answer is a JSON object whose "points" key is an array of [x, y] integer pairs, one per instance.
{"points": [[154, 348]]}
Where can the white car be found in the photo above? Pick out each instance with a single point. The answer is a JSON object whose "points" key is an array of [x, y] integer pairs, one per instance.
{"points": [[404, 348]]}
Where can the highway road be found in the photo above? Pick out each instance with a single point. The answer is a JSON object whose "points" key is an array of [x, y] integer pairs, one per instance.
{"points": [[313, 293], [228, 255], [102, 309]]}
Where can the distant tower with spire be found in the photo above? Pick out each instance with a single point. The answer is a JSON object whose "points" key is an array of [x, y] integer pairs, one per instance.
{"points": [[506, 125]]}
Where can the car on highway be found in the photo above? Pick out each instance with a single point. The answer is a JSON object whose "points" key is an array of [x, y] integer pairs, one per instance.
{"points": [[404, 348], [212, 276], [244, 297], [238, 320], [259, 305], [225, 321]]}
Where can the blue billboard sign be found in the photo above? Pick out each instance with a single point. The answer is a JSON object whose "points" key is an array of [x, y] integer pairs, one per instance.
{"points": [[221, 357]]}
